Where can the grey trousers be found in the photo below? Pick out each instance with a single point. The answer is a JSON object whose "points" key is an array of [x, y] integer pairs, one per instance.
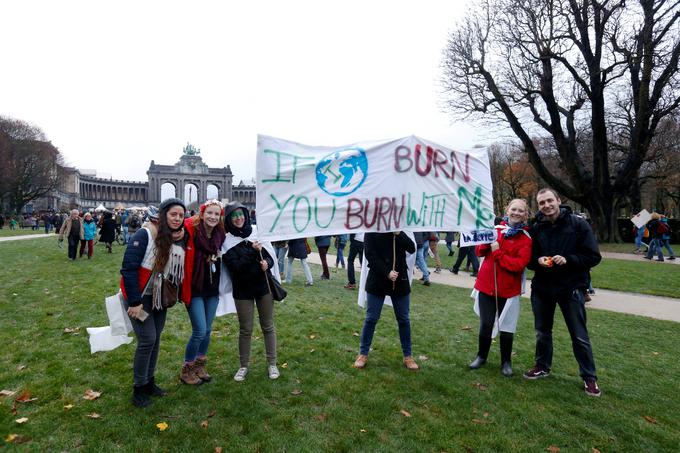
{"points": [[148, 335], [265, 311]]}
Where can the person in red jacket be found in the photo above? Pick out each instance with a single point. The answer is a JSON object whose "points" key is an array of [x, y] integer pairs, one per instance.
{"points": [[200, 292], [499, 283]]}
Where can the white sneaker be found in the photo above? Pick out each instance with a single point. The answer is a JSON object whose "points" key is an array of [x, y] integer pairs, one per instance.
{"points": [[273, 372], [241, 374]]}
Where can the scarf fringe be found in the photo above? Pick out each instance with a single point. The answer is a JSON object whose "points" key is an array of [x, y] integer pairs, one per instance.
{"points": [[174, 273]]}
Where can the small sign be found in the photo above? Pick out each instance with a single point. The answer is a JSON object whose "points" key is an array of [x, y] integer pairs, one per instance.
{"points": [[476, 237], [641, 218]]}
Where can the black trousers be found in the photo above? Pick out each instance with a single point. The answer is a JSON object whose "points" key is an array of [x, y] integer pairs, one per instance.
{"points": [[573, 309], [487, 313], [73, 242], [356, 248], [467, 252], [148, 334]]}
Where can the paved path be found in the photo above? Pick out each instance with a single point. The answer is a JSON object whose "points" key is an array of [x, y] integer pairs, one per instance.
{"points": [[665, 308]]}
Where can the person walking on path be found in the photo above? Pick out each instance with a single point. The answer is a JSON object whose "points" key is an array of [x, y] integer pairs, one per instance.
{"points": [[72, 229], [200, 292], [422, 246], [297, 248], [340, 242], [157, 251], [499, 284], [564, 249], [665, 241], [281, 247], [89, 232], [356, 250], [469, 253], [387, 276], [450, 237], [434, 248], [655, 238], [323, 243], [248, 262]]}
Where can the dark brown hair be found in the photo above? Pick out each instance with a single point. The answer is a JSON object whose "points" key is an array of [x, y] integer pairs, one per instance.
{"points": [[163, 240]]}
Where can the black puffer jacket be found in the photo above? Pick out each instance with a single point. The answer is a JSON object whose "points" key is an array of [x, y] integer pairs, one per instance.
{"points": [[247, 277], [571, 237], [378, 252]]}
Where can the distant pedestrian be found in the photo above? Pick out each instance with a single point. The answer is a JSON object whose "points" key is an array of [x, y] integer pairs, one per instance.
{"points": [[655, 237], [356, 250], [72, 229], [89, 232], [469, 253], [297, 248], [450, 237], [340, 242], [281, 247], [434, 248], [422, 246], [323, 243], [107, 234], [134, 222]]}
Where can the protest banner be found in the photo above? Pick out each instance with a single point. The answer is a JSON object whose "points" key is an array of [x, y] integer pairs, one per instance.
{"points": [[641, 218], [405, 184]]}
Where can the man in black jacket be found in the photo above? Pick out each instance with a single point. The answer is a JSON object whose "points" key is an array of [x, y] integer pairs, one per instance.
{"points": [[563, 251]]}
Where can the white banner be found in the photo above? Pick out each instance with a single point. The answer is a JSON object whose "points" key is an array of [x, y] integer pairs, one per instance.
{"points": [[406, 184], [641, 218]]}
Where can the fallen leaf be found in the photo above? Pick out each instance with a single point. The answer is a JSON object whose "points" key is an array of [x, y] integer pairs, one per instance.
{"points": [[320, 417], [162, 426], [11, 437], [655, 353], [296, 392], [7, 392], [21, 367], [21, 420], [553, 449], [423, 357], [311, 337], [595, 450], [68, 406], [91, 395], [485, 415], [212, 414], [312, 350], [71, 329], [285, 365], [94, 415], [650, 419], [218, 449], [362, 430], [405, 413], [480, 386], [204, 424], [355, 334], [14, 294], [25, 397], [480, 421], [466, 328]]}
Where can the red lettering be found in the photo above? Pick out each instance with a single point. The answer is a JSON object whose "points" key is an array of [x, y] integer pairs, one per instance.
{"points": [[439, 161], [383, 212], [428, 160], [466, 173], [354, 212], [367, 206], [400, 154]]}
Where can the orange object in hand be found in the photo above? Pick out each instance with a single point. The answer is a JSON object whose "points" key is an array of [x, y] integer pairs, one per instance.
{"points": [[549, 261]]}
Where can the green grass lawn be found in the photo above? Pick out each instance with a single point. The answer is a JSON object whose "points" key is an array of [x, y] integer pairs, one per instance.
{"points": [[320, 403], [6, 232]]}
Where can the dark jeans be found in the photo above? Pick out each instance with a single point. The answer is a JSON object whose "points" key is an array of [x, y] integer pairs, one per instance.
{"points": [[356, 248], [148, 334], [73, 242], [323, 251], [573, 309], [487, 313], [374, 305], [468, 252]]}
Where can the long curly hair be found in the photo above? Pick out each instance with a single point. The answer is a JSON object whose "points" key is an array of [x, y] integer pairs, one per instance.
{"points": [[163, 240]]}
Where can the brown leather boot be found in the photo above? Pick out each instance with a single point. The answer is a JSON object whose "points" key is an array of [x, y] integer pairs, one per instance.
{"points": [[188, 376], [200, 371]]}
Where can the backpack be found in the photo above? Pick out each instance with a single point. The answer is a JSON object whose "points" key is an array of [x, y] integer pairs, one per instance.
{"points": [[663, 228]]}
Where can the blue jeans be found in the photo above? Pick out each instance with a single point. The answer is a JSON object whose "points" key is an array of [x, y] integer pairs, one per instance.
{"points": [[374, 305], [638, 237], [420, 260], [667, 243], [281, 256], [340, 259], [201, 313], [655, 247]]}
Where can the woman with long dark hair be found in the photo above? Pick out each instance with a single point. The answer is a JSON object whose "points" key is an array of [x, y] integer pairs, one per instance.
{"points": [[153, 269], [202, 265]]}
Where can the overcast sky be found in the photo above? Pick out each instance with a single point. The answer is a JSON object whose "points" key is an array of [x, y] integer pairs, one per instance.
{"points": [[117, 84]]}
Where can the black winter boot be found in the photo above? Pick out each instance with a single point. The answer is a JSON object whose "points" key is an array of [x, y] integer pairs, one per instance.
{"points": [[482, 353], [153, 390], [506, 353], [139, 396]]}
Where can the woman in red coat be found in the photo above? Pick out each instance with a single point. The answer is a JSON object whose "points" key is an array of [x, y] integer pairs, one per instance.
{"points": [[499, 283]]}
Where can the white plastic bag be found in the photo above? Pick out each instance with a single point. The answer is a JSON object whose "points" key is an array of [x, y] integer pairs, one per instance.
{"points": [[102, 340], [118, 317]]}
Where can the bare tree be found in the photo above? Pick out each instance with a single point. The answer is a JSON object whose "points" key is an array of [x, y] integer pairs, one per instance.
{"points": [[556, 68], [28, 163]]}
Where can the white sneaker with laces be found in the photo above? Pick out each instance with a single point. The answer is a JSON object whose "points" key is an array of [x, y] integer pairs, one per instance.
{"points": [[273, 372], [241, 374]]}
